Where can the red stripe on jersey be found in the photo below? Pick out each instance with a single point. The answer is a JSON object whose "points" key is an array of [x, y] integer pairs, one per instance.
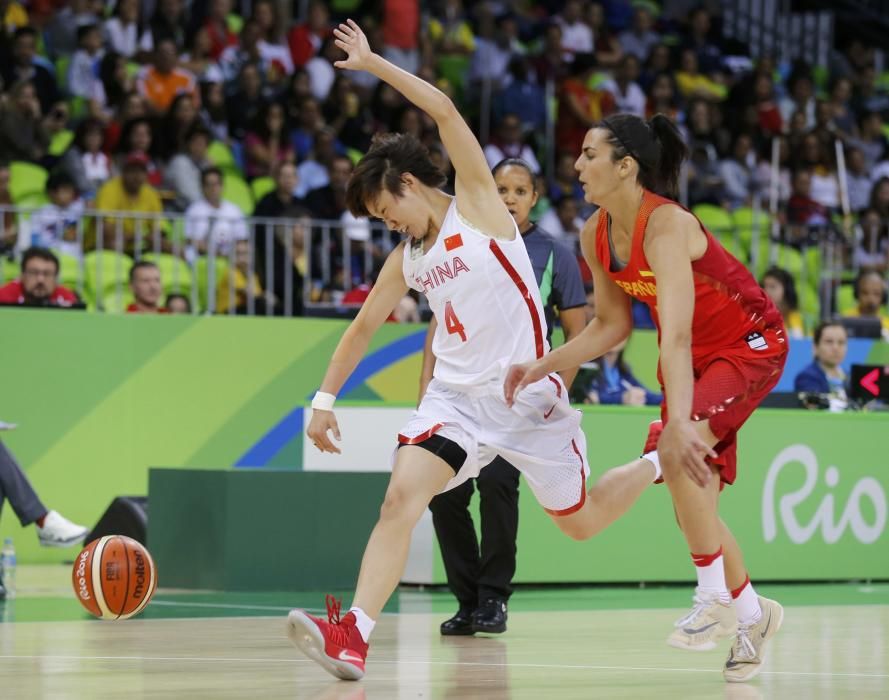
{"points": [[452, 242], [577, 506], [404, 440], [526, 295], [556, 382]]}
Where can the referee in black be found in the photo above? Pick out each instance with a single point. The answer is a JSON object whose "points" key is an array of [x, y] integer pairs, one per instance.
{"points": [[481, 578]]}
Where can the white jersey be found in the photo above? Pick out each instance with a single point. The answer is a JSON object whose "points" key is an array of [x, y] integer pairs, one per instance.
{"points": [[485, 298]]}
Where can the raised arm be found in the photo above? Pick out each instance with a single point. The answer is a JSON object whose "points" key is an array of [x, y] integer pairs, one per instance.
{"points": [[386, 293], [613, 323], [477, 196]]}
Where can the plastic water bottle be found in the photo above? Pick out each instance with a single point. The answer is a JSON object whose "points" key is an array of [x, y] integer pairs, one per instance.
{"points": [[7, 564]]}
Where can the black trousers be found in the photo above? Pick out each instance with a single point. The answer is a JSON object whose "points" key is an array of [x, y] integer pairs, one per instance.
{"points": [[477, 573], [15, 487]]}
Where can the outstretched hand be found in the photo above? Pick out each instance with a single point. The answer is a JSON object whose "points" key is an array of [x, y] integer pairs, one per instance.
{"points": [[351, 39]]}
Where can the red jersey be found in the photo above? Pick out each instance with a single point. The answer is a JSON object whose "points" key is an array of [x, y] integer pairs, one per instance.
{"points": [[14, 293], [729, 304], [134, 309]]}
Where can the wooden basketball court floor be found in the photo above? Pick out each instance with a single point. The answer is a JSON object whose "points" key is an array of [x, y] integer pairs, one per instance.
{"points": [[561, 643]]}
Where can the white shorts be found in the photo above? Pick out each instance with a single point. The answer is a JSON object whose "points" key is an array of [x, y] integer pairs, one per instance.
{"points": [[540, 436]]}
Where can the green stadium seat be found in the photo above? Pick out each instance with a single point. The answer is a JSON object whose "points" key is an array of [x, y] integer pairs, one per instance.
{"points": [[62, 65], [790, 259], [26, 179], [103, 270], [846, 298], [114, 304], [60, 142], [33, 200], [354, 155], [221, 155], [202, 272], [745, 221], [809, 306], [237, 191], [176, 276], [69, 271], [235, 23], [9, 270], [261, 186], [716, 219]]}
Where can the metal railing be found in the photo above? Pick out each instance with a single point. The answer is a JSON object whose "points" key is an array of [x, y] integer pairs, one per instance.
{"points": [[308, 266], [300, 264]]}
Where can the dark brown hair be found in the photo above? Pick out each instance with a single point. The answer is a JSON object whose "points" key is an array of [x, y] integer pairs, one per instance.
{"points": [[656, 145], [389, 157]]}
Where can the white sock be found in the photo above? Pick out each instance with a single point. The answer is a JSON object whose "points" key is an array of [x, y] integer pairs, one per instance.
{"points": [[711, 574], [364, 624], [747, 604], [656, 461]]}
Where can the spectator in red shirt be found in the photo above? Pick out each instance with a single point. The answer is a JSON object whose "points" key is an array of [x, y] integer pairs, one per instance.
{"points": [[221, 37], [145, 281], [39, 283], [305, 39]]}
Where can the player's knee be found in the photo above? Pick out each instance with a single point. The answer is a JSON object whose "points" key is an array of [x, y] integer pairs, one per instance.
{"points": [[671, 470], [400, 503], [577, 530]]}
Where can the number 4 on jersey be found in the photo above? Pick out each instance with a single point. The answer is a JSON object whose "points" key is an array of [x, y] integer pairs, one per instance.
{"points": [[452, 323]]}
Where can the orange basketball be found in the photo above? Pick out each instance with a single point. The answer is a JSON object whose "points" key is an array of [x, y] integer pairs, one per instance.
{"points": [[114, 577]]}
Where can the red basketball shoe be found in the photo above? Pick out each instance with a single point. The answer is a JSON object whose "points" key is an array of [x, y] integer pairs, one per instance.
{"points": [[655, 428], [336, 644]]}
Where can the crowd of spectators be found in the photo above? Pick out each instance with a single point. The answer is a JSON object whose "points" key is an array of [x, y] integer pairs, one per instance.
{"points": [[145, 94]]}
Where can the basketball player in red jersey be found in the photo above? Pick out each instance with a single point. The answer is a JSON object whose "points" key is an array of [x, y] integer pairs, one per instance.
{"points": [[722, 349], [467, 256]]}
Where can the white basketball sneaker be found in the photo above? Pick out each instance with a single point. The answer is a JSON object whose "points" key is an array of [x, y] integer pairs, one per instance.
{"points": [[748, 651], [710, 620], [58, 531]]}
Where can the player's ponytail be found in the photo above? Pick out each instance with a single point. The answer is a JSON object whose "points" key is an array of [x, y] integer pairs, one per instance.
{"points": [[673, 152], [655, 145]]}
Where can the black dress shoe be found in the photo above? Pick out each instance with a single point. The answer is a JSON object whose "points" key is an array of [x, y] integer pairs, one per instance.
{"points": [[459, 625], [490, 617]]}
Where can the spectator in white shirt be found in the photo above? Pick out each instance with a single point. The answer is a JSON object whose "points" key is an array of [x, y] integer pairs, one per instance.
{"points": [[125, 33], [628, 96], [640, 39], [577, 37], [83, 71], [54, 226], [183, 174], [85, 161], [563, 222], [212, 225], [510, 143]]}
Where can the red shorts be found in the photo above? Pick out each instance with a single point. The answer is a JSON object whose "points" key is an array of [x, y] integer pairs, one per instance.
{"points": [[730, 385]]}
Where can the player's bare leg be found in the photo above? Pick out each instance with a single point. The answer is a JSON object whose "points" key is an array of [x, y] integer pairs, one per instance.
{"points": [[417, 477], [722, 577], [339, 645], [609, 498]]}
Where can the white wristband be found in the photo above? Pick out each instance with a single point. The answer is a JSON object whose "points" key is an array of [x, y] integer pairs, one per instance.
{"points": [[323, 401]]}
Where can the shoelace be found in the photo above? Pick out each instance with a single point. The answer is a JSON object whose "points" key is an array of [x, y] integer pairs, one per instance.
{"points": [[333, 609], [699, 603], [336, 630], [743, 648]]}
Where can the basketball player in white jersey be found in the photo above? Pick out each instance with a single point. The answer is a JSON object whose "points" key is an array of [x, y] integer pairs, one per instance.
{"points": [[466, 255]]}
